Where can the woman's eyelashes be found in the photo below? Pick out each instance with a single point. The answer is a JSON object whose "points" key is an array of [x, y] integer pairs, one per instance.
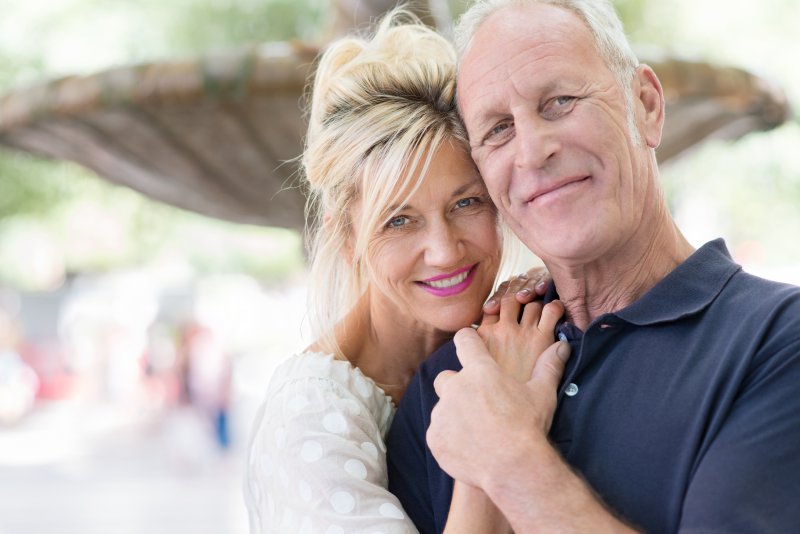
{"points": [[462, 205], [398, 222], [468, 202]]}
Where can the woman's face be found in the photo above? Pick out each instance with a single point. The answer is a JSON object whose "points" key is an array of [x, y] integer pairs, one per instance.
{"points": [[436, 260]]}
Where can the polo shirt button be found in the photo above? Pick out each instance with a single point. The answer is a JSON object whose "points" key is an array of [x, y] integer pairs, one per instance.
{"points": [[562, 336], [572, 389]]}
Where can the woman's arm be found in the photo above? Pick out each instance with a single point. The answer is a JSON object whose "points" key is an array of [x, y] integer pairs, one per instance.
{"points": [[515, 338], [471, 511], [317, 462]]}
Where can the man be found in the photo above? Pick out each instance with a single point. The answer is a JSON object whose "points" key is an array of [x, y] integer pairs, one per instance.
{"points": [[679, 408]]}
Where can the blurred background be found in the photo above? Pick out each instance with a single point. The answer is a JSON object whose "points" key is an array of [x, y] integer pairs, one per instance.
{"points": [[136, 338]]}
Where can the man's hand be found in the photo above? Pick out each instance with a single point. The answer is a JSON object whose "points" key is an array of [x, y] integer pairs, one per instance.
{"points": [[484, 417]]}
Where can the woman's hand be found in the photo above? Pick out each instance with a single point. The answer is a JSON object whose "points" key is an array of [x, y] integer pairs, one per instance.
{"points": [[526, 288], [517, 336]]}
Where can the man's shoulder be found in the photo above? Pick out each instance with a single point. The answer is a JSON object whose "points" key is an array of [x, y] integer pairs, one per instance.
{"points": [[762, 296]]}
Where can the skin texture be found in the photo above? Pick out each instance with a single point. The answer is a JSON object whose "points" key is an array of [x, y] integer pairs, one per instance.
{"points": [[549, 132], [448, 224], [553, 145]]}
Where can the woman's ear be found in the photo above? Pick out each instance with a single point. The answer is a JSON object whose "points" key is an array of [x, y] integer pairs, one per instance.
{"points": [[348, 250], [649, 97]]}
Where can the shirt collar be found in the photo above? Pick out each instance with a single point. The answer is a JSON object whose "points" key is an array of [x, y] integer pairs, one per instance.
{"points": [[688, 289]]}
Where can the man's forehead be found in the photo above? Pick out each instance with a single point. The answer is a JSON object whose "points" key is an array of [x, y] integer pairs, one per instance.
{"points": [[517, 39], [521, 26]]}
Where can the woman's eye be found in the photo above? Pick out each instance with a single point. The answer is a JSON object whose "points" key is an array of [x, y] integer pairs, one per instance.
{"points": [[466, 202], [397, 222]]}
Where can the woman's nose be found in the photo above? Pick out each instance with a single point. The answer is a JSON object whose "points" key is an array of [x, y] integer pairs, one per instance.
{"points": [[443, 246]]}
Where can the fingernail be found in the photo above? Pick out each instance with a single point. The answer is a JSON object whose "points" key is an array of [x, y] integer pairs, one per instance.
{"points": [[490, 303], [563, 349], [524, 276], [524, 292], [541, 286]]}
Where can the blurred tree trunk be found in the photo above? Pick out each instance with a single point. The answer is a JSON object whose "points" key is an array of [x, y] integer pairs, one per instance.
{"points": [[352, 15]]}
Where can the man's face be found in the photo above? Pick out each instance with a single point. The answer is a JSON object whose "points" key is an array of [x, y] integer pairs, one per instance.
{"points": [[549, 132]]}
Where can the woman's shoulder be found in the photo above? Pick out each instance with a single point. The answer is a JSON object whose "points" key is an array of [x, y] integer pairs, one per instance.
{"points": [[320, 377]]}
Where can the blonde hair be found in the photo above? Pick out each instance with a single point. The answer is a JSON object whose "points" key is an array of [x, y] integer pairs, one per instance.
{"points": [[380, 109], [600, 18]]}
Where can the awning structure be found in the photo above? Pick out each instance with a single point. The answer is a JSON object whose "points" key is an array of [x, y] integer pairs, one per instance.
{"points": [[219, 134]]}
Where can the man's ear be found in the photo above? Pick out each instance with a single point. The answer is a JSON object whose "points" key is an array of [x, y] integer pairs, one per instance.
{"points": [[648, 96]]}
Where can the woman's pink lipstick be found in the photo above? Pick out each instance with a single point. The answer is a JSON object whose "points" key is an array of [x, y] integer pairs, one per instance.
{"points": [[467, 273]]}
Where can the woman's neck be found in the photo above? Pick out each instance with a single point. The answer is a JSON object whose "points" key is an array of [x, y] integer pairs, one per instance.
{"points": [[386, 345]]}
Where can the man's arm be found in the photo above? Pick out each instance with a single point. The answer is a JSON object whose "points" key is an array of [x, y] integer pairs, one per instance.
{"points": [[748, 476], [490, 431]]}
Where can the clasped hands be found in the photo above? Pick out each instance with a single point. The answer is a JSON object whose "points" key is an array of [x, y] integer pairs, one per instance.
{"points": [[506, 393]]}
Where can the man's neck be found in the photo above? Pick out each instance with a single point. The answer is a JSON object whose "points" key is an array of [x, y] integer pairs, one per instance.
{"points": [[621, 277]]}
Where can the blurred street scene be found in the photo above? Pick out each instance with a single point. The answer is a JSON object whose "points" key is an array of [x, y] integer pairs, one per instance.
{"points": [[125, 410], [136, 339]]}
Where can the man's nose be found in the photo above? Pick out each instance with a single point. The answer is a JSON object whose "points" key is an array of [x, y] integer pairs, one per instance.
{"points": [[536, 142]]}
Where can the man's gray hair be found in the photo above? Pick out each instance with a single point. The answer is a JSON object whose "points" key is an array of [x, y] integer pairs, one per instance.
{"points": [[598, 15]]}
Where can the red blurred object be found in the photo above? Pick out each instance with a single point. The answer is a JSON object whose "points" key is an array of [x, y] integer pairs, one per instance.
{"points": [[48, 361]]}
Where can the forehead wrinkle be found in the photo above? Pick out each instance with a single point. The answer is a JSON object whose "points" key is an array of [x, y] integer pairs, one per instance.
{"points": [[541, 31]]}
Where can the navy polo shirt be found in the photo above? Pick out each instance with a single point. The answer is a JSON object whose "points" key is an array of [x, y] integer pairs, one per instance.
{"points": [[681, 411]]}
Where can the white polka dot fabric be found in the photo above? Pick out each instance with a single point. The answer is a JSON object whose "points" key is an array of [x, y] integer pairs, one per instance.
{"points": [[317, 458]]}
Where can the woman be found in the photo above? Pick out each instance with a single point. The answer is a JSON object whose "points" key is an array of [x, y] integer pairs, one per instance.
{"points": [[405, 250]]}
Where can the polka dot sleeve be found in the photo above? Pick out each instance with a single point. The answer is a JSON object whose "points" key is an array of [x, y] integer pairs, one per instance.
{"points": [[317, 459]]}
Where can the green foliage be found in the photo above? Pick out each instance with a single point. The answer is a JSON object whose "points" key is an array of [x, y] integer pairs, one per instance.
{"points": [[33, 186]]}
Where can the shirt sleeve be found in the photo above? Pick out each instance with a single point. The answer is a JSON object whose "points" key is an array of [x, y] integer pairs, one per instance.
{"points": [[317, 463], [748, 480]]}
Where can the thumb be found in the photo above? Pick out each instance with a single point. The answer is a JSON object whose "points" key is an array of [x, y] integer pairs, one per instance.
{"points": [[470, 348], [440, 381], [550, 366]]}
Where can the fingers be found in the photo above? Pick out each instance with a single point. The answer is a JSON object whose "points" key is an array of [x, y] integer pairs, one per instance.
{"points": [[531, 314], [550, 314], [492, 306], [470, 348], [525, 286], [441, 380], [550, 366], [538, 278]]}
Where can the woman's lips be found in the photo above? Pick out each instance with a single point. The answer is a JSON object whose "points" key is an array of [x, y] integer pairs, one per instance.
{"points": [[450, 284]]}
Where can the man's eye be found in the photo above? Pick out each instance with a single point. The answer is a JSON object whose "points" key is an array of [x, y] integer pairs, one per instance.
{"points": [[500, 128], [558, 106], [499, 132]]}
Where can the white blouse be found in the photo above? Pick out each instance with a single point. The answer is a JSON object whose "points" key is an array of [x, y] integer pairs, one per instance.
{"points": [[317, 458]]}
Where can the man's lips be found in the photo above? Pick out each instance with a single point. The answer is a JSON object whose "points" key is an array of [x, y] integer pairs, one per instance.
{"points": [[539, 193]]}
